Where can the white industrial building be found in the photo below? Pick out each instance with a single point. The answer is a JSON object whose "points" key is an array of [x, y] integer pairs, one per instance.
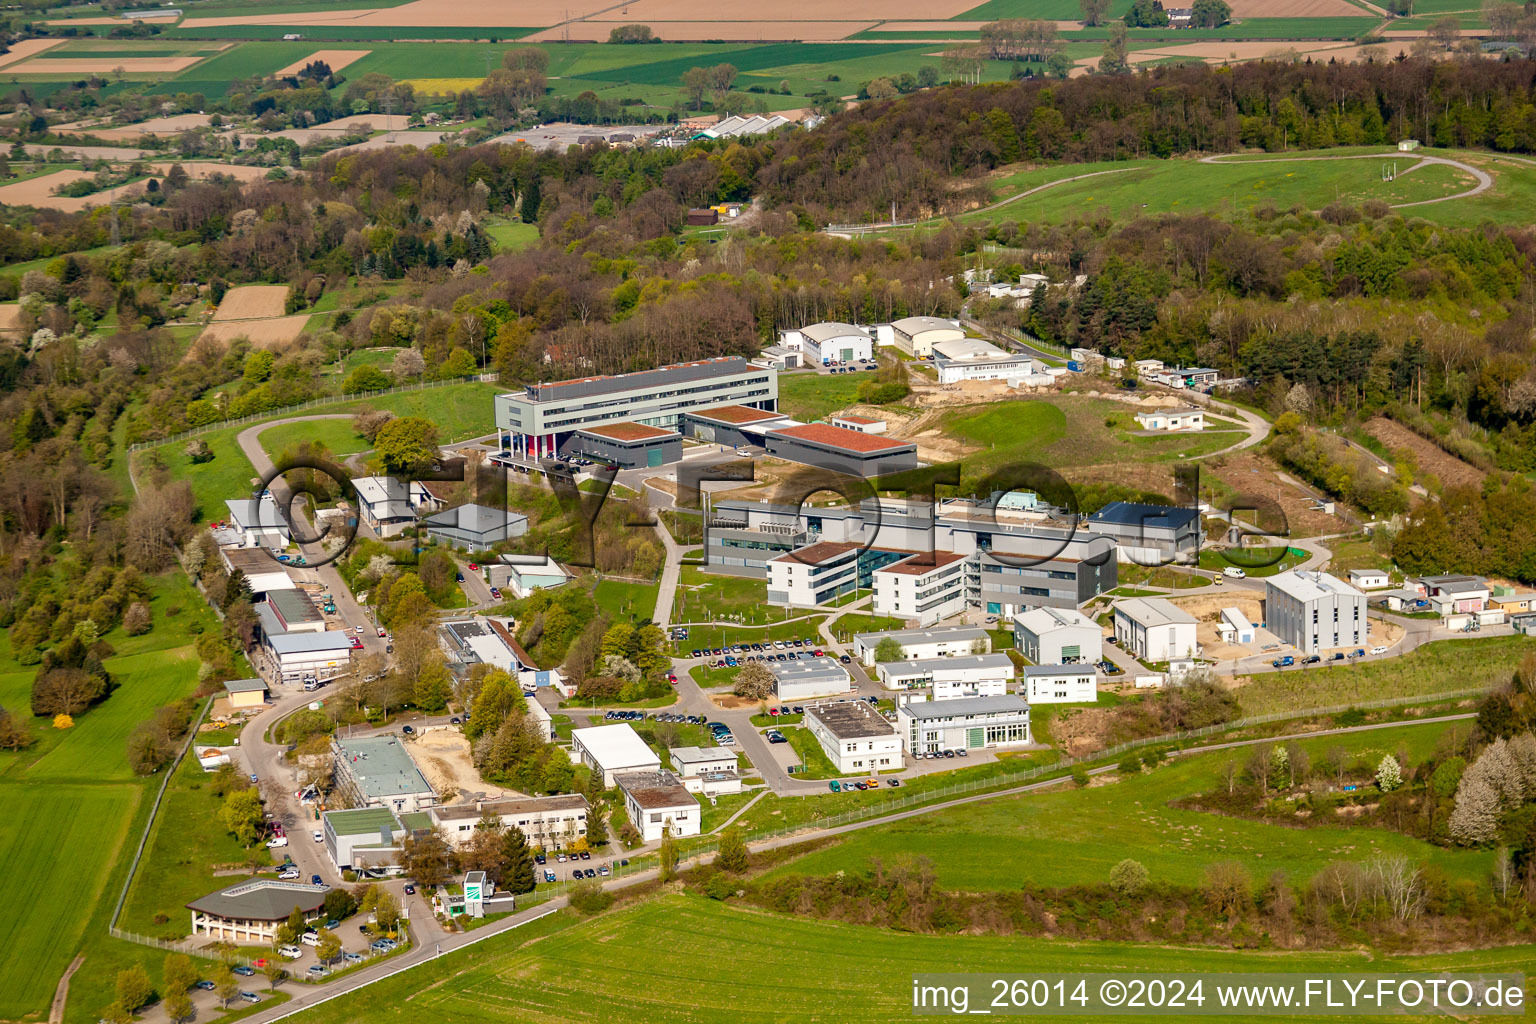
{"points": [[362, 837], [1060, 684], [863, 424], [319, 655], [916, 335], [711, 771], [1178, 419], [827, 343], [943, 642], [613, 749], [1234, 627], [975, 359], [263, 573], [523, 574], [658, 803], [972, 724], [856, 737], [257, 523], [805, 679], [966, 675], [1058, 636], [1153, 629], [925, 587], [1369, 579], [384, 504], [549, 822], [1314, 611], [814, 574]]}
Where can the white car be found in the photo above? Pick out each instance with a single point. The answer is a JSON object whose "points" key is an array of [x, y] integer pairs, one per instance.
{"points": [[319, 836], [277, 841], [1378, 650], [289, 875], [291, 952]]}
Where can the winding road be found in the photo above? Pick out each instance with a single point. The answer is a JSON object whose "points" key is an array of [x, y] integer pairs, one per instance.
{"points": [[1483, 178]]}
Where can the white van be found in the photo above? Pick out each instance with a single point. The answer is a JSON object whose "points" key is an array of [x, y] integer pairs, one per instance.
{"points": [[1232, 572], [277, 841], [310, 938]]}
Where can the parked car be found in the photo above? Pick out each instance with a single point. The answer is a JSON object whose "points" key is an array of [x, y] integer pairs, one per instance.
{"points": [[244, 971], [310, 938], [319, 836], [250, 997], [539, 858], [410, 890], [602, 869], [205, 986], [1378, 650], [586, 855], [351, 957], [316, 880], [458, 577], [549, 876], [317, 971], [289, 874], [834, 786], [277, 841], [893, 783], [291, 952], [407, 729]]}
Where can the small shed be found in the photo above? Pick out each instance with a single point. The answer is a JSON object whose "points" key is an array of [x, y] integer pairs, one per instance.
{"points": [[703, 218]]}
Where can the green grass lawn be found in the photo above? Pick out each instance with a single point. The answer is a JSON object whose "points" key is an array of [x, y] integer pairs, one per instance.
{"points": [[336, 435], [72, 810], [1070, 836], [461, 411], [720, 636], [815, 396], [715, 812], [703, 597], [512, 235], [623, 601], [1440, 667], [688, 959], [808, 749]]}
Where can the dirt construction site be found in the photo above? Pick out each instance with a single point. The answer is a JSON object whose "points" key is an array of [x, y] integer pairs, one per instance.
{"points": [[1207, 607], [443, 756]]}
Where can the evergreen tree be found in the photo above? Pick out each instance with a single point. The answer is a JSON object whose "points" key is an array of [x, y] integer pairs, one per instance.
{"points": [[517, 875], [531, 200], [733, 851]]}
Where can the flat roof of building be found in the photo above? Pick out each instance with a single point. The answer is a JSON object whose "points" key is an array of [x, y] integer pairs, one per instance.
{"points": [[857, 419], [523, 805], [699, 369], [1038, 671], [628, 432], [815, 668], [1455, 584], [851, 720], [926, 636], [828, 436], [252, 561], [701, 755], [364, 821], [475, 519], [382, 766], [922, 563], [310, 643], [261, 899], [294, 606], [964, 706], [919, 666], [815, 554], [1309, 586], [1038, 620], [969, 350], [1153, 611], [736, 414], [657, 790], [1235, 618], [245, 685], [615, 746], [1134, 513]]}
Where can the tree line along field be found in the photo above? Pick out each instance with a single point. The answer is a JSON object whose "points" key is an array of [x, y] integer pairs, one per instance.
{"points": [[73, 810], [632, 964], [1071, 837]]}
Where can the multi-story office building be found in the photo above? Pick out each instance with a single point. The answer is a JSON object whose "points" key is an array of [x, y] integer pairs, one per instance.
{"points": [[971, 723], [538, 420], [926, 587]]}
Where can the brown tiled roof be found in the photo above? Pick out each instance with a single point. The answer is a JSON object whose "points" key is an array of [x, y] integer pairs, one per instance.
{"points": [[857, 419], [841, 437], [628, 431], [817, 553], [737, 414], [919, 564]]}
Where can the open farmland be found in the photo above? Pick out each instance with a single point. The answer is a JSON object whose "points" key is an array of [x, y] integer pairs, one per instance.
{"points": [[250, 301], [755, 968], [335, 59], [70, 806]]}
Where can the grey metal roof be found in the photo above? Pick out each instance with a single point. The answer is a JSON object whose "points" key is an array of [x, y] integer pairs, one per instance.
{"points": [[678, 373], [1153, 611], [823, 332], [699, 755], [310, 643], [245, 685], [1043, 671], [922, 666], [270, 623], [1309, 586], [261, 899], [294, 606], [381, 766], [850, 720], [801, 671], [1131, 513], [476, 519], [931, 709], [920, 636]]}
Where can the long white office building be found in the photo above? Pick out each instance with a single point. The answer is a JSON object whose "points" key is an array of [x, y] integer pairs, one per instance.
{"points": [[970, 724], [970, 675], [538, 421]]}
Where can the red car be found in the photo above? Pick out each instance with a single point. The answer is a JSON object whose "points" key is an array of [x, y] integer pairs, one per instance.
{"points": [[473, 567], [357, 644]]}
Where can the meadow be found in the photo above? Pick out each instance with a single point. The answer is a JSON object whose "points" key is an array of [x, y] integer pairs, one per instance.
{"points": [[814, 396], [73, 809], [751, 967], [1439, 667], [1073, 837]]}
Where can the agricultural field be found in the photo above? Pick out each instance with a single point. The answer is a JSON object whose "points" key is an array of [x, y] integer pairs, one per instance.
{"points": [[1069, 836], [754, 968], [73, 808]]}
